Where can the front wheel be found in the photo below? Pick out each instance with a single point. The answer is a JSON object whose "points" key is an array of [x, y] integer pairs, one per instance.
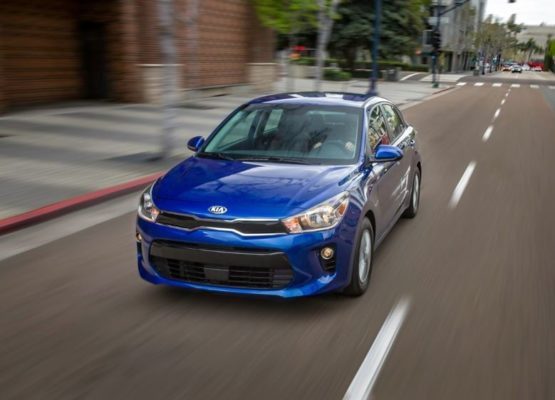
{"points": [[412, 209], [362, 261]]}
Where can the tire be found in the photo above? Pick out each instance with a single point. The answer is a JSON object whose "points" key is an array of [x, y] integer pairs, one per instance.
{"points": [[361, 271], [414, 205]]}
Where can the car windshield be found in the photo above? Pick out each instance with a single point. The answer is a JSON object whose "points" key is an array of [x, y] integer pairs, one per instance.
{"points": [[288, 133]]}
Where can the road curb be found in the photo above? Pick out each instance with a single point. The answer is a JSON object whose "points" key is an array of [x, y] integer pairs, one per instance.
{"points": [[53, 210]]}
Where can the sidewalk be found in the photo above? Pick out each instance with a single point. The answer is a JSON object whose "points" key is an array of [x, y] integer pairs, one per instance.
{"points": [[55, 153]]}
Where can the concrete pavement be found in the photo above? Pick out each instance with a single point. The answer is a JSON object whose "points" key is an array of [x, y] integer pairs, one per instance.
{"points": [[77, 322], [51, 154]]}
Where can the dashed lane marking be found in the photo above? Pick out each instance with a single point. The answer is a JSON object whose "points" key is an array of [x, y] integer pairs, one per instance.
{"points": [[479, 84], [497, 84], [366, 376], [461, 83], [535, 86], [515, 85], [461, 186], [487, 133]]}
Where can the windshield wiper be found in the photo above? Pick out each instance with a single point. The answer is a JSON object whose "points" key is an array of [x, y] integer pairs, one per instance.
{"points": [[218, 156], [274, 159]]}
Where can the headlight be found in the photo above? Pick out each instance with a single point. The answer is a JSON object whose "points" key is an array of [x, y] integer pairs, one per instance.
{"points": [[147, 209], [324, 216]]}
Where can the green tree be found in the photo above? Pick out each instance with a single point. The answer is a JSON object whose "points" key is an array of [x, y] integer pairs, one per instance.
{"points": [[549, 59], [287, 17], [401, 28], [352, 31], [492, 38], [530, 47]]}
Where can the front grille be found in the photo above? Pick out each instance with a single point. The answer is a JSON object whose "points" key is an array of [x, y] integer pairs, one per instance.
{"points": [[243, 226], [221, 266]]}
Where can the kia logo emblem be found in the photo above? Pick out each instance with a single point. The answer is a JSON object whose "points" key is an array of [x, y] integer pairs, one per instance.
{"points": [[217, 210]]}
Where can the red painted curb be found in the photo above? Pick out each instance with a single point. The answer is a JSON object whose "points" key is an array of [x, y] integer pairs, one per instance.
{"points": [[74, 203]]}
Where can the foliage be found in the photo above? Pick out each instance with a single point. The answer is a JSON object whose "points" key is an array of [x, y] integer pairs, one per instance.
{"points": [[353, 30], [333, 74], [287, 16], [494, 38], [549, 60], [311, 61], [530, 47], [401, 26]]}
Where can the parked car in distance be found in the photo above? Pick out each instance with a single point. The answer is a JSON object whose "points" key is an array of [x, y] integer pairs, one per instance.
{"points": [[289, 196], [537, 69], [516, 69], [506, 67], [525, 67]]}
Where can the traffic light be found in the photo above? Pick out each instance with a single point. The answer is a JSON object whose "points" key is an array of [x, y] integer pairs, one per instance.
{"points": [[436, 39]]}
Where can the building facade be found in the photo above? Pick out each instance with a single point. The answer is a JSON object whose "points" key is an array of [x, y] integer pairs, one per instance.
{"points": [[540, 34], [63, 50], [457, 26]]}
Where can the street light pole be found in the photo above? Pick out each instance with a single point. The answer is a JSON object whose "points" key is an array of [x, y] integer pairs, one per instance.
{"points": [[375, 45], [435, 74]]}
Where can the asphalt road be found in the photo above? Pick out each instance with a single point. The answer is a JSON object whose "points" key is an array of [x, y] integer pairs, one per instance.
{"points": [[477, 270]]}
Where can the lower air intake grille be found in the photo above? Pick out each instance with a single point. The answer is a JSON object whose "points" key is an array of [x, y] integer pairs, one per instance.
{"points": [[221, 266]]}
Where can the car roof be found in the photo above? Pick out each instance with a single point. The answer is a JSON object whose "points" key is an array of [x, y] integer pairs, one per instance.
{"points": [[357, 100]]}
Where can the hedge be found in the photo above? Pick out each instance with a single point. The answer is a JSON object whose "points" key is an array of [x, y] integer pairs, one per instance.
{"points": [[336, 75], [382, 64]]}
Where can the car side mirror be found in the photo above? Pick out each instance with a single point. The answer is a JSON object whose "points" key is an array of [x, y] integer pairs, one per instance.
{"points": [[387, 153], [195, 143]]}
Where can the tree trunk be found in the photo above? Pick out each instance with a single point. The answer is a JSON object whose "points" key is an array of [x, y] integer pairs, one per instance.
{"points": [[325, 25], [290, 83], [169, 81], [192, 44]]}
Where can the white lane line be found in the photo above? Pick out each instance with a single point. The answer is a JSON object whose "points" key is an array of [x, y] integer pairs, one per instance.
{"points": [[479, 84], [496, 113], [366, 376], [461, 186], [503, 101], [535, 86], [409, 76], [487, 133], [461, 83], [515, 85], [496, 85]]}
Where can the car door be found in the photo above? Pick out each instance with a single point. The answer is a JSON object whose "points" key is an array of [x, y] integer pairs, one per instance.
{"points": [[401, 135], [387, 174]]}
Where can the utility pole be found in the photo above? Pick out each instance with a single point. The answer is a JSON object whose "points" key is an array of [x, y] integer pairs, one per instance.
{"points": [[373, 91]]}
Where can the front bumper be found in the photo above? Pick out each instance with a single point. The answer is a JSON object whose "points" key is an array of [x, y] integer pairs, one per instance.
{"points": [[226, 262]]}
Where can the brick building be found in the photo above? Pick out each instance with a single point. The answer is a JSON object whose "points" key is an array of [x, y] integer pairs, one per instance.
{"points": [[63, 50]]}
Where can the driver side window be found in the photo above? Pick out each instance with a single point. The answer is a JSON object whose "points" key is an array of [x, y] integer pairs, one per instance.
{"points": [[377, 128]]}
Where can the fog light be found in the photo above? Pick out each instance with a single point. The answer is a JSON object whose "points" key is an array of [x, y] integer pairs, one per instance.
{"points": [[327, 253], [138, 237]]}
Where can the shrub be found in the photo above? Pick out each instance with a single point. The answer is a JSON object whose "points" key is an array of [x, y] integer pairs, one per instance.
{"points": [[311, 61], [336, 75], [387, 64]]}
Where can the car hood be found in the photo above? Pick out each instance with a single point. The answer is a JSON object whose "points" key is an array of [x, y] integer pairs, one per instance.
{"points": [[248, 189]]}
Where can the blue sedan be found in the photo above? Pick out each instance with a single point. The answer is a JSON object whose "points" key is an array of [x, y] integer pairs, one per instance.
{"points": [[289, 196]]}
